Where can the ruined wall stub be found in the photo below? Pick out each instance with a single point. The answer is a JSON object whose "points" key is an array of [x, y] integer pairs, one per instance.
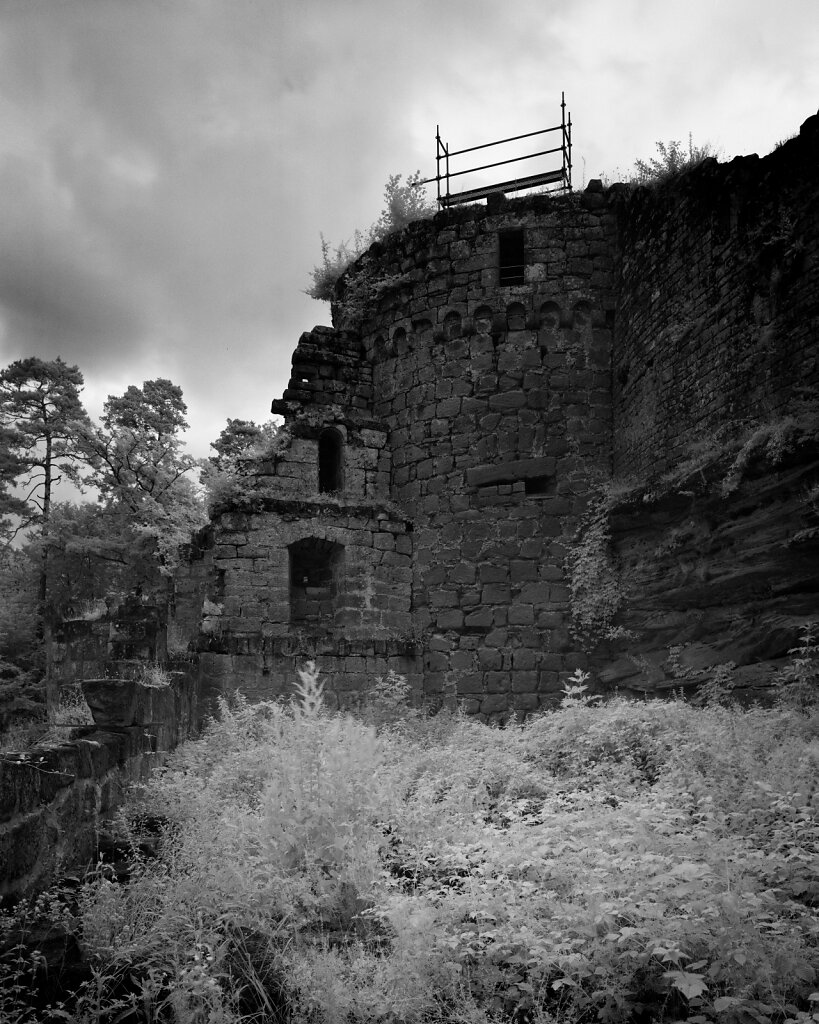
{"points": [[313, 562]]}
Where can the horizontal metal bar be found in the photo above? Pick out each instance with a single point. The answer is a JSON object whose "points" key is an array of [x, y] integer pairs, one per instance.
{"points": [[512, 138], [500, 163], [562, 176], [532, 181]]}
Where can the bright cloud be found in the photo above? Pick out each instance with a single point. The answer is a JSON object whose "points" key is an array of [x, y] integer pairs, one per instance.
{"points": [[166, 168]]}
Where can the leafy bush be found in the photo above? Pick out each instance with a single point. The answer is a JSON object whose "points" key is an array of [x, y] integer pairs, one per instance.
{"points": [[403, 205], [333, 264], [22, 706], [673, 159], [610, 861]]}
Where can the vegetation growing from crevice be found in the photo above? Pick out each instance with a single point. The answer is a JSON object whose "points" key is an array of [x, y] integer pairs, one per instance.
{"points": [[404, 203], [612, 861], [714, 467], [673, 159], [718, 461], [595, 591], [230, 475], [773, 441]]}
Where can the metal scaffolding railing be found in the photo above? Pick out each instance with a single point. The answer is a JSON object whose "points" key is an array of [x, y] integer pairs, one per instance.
{"points": [[560, 177]]}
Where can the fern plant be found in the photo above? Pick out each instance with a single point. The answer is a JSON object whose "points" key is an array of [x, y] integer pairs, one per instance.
{"points": [[608, 860], [798, 682]]}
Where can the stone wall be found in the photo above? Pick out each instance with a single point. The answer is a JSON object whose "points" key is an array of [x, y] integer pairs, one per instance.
{"points": [[304, 566], [718, 303], [56, 797], [248, 637], [101, 641], [487, 370], [717, 336], [473, 417], [497, 402]]}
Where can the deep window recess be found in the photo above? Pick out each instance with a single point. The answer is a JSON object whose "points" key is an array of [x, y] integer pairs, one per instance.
{"points": [[330, 457], [315, 573], [539, 485], [510, 252]]}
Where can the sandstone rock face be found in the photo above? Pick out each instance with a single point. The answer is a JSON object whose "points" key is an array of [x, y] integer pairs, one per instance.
{"points": [[714, 579]]}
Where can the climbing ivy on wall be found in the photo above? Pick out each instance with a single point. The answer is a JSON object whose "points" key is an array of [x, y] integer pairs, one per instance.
{"points": [[591, 569]]}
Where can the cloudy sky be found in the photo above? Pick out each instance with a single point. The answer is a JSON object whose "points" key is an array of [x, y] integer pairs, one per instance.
{"points": [[167, 166]]}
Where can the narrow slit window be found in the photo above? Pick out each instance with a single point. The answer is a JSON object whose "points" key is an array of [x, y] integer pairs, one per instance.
{"points": [[330, 459], [511, 256]]}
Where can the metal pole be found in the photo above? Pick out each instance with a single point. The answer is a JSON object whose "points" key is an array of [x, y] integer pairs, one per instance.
{"points": [[570, 152], [438, 160], [567, 143]]}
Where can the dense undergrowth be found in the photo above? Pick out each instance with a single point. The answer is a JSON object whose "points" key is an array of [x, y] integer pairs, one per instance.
{"points": [[605, 862]]}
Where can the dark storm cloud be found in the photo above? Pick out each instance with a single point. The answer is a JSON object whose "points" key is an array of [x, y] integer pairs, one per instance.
{"points": [[167, 166], [54, 287]]}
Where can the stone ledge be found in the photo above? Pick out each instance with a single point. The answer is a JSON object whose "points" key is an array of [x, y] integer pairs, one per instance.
{"points": [[510, 472]]}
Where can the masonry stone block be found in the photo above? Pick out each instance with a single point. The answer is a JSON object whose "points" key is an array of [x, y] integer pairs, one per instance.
{"points": [[450, 619], [521, 615], [481, 618], [490, 658], [462, 661], [549, 681], [494, 703], [470, 682]]}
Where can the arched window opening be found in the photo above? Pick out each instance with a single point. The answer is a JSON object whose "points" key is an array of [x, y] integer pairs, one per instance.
{"points": [[550, 316], [516, 316], [483, 320], [452, 324], [399, 342], [315, 575], [330, 458]]}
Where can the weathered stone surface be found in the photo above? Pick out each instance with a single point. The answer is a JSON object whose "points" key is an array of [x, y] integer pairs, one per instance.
{"points": [[476, 420], [711, 579], [54, 797]]}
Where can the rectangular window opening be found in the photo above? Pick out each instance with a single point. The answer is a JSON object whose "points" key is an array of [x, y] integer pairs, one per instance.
{"points": [[315, 574], [511, 257]]}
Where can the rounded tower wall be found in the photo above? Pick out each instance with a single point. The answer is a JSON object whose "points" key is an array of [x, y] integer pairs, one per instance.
{"points": [[493, 382]]}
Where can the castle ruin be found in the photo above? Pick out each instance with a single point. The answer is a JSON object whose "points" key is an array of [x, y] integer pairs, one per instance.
{"points": [[487, 371]]}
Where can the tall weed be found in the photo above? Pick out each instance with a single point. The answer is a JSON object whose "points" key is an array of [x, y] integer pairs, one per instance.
{"points": [[611, 861]]}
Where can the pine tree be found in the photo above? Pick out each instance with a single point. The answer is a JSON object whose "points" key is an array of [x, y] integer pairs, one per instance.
{"points": [[43, 422]]}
